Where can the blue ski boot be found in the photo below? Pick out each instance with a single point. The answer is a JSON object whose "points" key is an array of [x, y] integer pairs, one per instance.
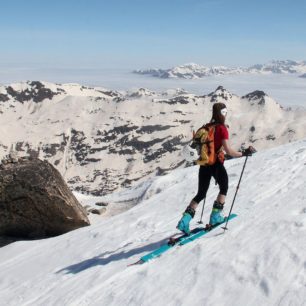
{"points": [[216, 216], [183, 224]]}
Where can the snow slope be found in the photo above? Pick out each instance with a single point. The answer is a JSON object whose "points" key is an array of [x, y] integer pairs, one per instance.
{"points": [[259, 261]]}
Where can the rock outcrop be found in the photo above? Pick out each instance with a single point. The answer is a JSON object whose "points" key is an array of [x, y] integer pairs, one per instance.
{"points": [[35, 201]]}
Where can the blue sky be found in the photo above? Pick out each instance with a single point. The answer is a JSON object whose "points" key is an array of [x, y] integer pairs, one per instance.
{"points": [[142, 34]]}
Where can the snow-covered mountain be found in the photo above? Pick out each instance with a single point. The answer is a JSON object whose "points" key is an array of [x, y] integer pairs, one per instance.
{"points": [[102, 140], [190, 71], [287, 66], [260, 260], [194, 71]]}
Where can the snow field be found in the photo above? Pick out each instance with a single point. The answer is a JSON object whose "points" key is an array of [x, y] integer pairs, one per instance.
{"points": [[260, 260]]}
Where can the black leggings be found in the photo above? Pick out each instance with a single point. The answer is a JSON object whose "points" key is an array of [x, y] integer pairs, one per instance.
{"points": [[205, 173]]}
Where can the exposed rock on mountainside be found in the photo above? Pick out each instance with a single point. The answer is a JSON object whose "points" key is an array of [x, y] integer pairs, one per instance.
{"points": [[35, 201], [257, 96], [102, 140], [141, 92], [36, 91], [220, 92]]}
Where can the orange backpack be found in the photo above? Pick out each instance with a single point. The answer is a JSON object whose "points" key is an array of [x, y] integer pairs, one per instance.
{"points": [[203, 140]]}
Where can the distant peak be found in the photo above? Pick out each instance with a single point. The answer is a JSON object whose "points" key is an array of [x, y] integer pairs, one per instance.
{"points": [[32, 90], [220, 94], [220, 88], [256, 95], [141, 92], [196, 71]]}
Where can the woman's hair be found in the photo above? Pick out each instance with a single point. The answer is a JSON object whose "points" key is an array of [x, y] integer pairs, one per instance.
{"points": [[217, 117]]}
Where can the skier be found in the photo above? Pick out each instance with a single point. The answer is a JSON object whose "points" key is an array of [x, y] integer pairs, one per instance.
{"points": [[216, 170]]}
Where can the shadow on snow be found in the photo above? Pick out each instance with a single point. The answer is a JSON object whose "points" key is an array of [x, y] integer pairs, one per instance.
{"points": [[108, 257]]}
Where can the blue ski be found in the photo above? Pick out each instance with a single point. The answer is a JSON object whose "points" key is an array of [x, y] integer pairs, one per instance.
{"points": [[181, 240]]}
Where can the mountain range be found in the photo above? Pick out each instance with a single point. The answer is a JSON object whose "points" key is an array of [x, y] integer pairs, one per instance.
{"points": [[195, 71], [102, 140]]}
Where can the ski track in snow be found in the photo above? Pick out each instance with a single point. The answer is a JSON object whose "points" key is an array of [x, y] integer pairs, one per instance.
{"points": [[260, 260]]}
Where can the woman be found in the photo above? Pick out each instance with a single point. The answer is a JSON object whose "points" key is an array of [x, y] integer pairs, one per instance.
{"points": [[215, 170]]}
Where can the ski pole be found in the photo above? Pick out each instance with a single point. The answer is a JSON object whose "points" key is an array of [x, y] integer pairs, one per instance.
{"points": [[225, 227], [200, 222]]}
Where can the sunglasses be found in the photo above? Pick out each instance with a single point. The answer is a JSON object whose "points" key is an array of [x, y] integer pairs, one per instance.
{"points": [[223, 111]]}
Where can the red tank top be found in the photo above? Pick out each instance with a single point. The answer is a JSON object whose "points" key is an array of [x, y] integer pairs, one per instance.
{"points": [[221, 133]]}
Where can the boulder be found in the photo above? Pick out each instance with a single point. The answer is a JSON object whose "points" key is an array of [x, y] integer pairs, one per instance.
{"points": [[35, 201]]}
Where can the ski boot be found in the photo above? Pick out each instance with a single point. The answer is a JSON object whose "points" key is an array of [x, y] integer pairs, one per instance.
{"points": [[216, 216], [183, 224]]}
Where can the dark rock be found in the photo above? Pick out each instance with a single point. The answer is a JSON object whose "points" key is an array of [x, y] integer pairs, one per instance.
{"points": [[130, 146], [220, 92], [169, 146], [257, 95], [109, 93], [177, 100], [94, 150], [143, 145], [128, 182], [26, 147], [97, 211], [3, 98], [123, 152], [270, 137], [114, 133], [163, 171], [149, 129], [183, 121], [141, 92], [118, 99], [173, 144], [51, 149], [105, 186], [36, 202], [5, 240], [79, 146], [37, 92], [104, 204], [288, 131], [121, 130]]}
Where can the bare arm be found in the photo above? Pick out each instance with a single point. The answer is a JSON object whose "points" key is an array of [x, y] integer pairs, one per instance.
{"points": [[229, 150]]}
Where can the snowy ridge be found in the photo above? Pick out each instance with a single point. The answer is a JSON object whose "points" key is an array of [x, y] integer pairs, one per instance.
{"points": [[101, 140], [195, 71], [259, 261], [287, 66], [190, 71]]}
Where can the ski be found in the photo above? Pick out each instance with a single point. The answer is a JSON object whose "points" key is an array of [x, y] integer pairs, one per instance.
{"points": [[181, 240]]}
